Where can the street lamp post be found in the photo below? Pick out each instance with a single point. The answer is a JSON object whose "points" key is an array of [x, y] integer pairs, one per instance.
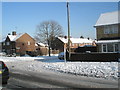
{"points": [[68, 18]]}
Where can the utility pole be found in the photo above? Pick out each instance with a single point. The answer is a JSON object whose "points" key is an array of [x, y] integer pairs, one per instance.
{"points": [[68, 18]]}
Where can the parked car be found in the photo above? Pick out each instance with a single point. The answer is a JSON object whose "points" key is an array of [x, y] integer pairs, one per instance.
{"points": [[86, 49], [2, 54], [61, 56], [4, 73], [88, 46]]}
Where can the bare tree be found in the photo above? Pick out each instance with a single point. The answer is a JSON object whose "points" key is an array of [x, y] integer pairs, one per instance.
{"points": [[47, 31]]}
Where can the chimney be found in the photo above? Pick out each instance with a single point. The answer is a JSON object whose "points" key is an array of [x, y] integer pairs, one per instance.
{"points": [[65, 37], [8, 33], [82, 37], [14, 33]]}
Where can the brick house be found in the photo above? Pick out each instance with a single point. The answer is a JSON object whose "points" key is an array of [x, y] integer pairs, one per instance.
{"points": [[41, 49], [60, 43], [108, 32], [18, 43]]}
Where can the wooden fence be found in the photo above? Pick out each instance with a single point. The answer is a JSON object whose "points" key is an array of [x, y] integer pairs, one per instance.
{"points": [[93, 57]]}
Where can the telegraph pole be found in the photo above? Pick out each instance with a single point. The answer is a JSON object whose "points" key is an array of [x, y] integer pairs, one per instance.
{"points": [[68, 18]]}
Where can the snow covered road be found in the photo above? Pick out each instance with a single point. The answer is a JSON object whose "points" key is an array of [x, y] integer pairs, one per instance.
{"points": [[106, 70], [100, 71]]}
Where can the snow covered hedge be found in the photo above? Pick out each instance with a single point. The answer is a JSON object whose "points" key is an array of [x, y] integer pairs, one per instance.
{"points": [[107, 70]]}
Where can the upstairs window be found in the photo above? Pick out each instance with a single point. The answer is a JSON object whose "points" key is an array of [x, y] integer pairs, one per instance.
{"points": [[106, 29], [115, 29], [7, 43], [111, 29], [28, 42]]}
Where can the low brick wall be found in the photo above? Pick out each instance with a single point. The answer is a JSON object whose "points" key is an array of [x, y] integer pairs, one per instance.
{"points": [[94, 57]]}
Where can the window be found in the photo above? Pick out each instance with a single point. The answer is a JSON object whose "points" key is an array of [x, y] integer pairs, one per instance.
{"points": [[17, 47], [104, 48], [28, 42], [7, 43], [116, 48], [111, 29], [110, 47], [23, 44], [115, 29], [3, 43], [8, 51], [106, 29], [13, 50], [3, 50]]}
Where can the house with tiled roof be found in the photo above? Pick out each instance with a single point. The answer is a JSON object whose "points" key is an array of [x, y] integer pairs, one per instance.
{"points": [[108, 32], [18, 43], [41, 48], [60, 43]]}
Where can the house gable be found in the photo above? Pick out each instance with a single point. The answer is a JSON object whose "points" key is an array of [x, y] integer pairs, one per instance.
{"points": [[107, 26], [25, 36], [25, 43], [7, 39]]}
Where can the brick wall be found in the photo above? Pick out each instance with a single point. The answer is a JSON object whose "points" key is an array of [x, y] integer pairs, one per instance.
{"points": [[22, 44], [100, 33]]}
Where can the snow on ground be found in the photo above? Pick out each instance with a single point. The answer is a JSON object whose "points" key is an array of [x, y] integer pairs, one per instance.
{"points": [[106, 70], [26, 58]]}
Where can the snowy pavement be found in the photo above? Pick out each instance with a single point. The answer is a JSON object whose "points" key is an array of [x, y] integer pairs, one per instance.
{"points": [[104, 70]]}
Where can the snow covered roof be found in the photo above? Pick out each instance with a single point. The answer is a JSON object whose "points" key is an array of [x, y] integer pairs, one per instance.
{"points": [[76, 40], [36, 44], [108, 18], [80, 40], [15, 37], [64, 40], [12, 37], [40, 44], [108, 41]]}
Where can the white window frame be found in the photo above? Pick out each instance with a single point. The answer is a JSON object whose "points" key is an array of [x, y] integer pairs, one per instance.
{"points": [[114, 47], [111, 48], [111, 29], [102, 47]]}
